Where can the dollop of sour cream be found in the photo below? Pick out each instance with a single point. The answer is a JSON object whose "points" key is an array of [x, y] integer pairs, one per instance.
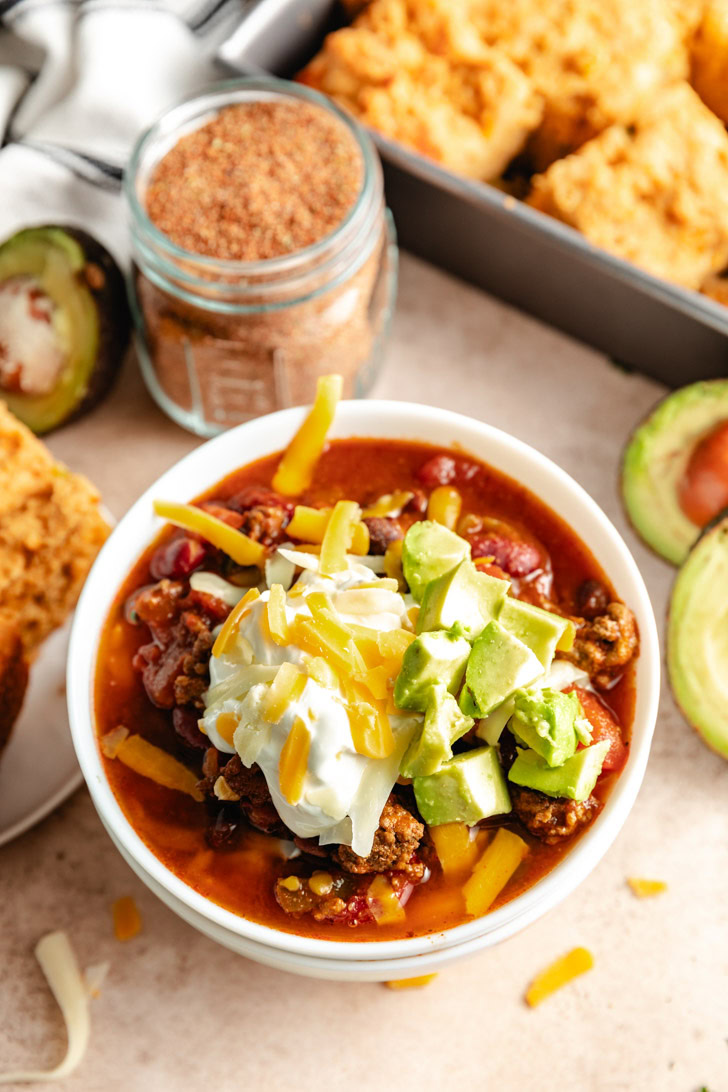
{"points": [[343, 791]]}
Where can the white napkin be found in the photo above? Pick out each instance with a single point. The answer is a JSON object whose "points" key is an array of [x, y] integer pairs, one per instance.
{"points": [[79, 80]]}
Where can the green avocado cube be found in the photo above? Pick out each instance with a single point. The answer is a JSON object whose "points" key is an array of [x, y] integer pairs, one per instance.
{"points": [[466, 789], [541, 630], [545, 721], [575, 779], [432, 658], [462, 596], [444, 723], [429, 550], [498, 665]]}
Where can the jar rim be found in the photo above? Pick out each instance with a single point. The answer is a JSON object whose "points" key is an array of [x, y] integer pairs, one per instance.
{"points": [[226, 90]]}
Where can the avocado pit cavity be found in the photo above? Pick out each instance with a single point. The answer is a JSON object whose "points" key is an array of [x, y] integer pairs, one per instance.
{"points": [[32, 355], [703, 490]]}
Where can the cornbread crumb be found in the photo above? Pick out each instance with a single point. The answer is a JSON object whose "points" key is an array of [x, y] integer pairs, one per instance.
{"points": [[50, 532], [709, 74], [654, 192]]}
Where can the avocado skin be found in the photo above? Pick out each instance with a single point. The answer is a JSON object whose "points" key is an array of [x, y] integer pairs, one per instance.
{"points": [[695, 599], [651, 504], [104, 282]]}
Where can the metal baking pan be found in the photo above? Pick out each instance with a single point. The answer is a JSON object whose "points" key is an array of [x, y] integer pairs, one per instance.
{"points": [[496, 242]]}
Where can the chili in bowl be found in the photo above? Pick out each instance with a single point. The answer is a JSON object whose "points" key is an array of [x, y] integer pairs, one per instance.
{"points": [[366, 706]]}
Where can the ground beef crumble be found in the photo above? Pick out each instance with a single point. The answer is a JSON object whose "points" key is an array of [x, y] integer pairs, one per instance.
{"points": [[395, 843]]}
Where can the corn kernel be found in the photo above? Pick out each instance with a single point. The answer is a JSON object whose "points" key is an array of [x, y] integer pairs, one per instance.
{"points": [[321, 883], [291, 883], [444, 506]]}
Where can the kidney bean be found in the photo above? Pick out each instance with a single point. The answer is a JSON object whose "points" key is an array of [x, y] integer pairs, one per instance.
{"points": [[513, 555], [382, 533], [258, 496], [184, 722], [220, 511], [178, 559], [224, 831], [592, 599], [417, 506], [446, 469]]}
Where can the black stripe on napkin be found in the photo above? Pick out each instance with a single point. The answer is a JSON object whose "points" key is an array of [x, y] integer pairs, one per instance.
{"points": [[99, 172]]}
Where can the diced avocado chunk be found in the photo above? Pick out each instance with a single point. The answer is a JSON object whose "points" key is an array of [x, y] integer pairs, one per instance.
{"points": [[467, 789], [545, 721], [541, 630], [464, 596], [444, 723], [432, 658], [498, 665], [575, 779], [429, 550]]}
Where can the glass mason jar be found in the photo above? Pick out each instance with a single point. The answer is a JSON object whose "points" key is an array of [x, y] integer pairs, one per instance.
{"points": [[222, 341]]}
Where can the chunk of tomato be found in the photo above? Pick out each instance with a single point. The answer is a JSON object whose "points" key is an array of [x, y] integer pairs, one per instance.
{"points": [[604, 726]]}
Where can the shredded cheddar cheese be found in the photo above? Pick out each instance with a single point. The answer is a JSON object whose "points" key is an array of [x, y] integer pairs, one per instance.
{"points": [[285, 689], [294, 761], [645, 889], [558, 974], [370, 727], [389, 504], [338, 537], [321, 672], [277, 621], [310, 524], [235, 544], [411, 983], [493, 871], [393, 564], [444, 506], [127, 919], [159, 766], [58, 963], [295, 470], [226, 637], [456, 850], [226, 724]]}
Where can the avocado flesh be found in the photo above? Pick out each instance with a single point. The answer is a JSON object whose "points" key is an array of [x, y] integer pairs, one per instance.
{"points": [[656, 459], [498, 665], [444, 724], [697, 637], [92, 324], [574, 779], [429, 550], [431, 659], [545, 722], [462, 596], [467, 789]]}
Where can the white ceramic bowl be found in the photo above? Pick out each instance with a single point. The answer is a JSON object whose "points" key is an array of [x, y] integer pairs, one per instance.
{"points": [[361, 961]]}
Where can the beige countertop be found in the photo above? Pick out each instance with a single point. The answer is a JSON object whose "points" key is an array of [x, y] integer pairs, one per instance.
{"points": [[177, 1012]]}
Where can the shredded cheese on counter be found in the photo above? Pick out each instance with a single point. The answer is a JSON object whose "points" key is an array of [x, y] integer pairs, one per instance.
{"points": [[576, 962], [58, 963]]}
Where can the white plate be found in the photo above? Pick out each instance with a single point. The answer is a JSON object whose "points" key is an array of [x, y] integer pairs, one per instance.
{"points": [[38, 768]]}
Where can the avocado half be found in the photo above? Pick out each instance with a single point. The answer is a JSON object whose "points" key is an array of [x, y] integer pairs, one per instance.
{"points": [[697, 636], [64, 324], [657, 459]]}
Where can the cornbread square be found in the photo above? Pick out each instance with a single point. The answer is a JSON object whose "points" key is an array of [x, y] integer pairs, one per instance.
{"points": [[655, 192], [595, 62], [471, 117], [709, 74], [50, 532]]}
